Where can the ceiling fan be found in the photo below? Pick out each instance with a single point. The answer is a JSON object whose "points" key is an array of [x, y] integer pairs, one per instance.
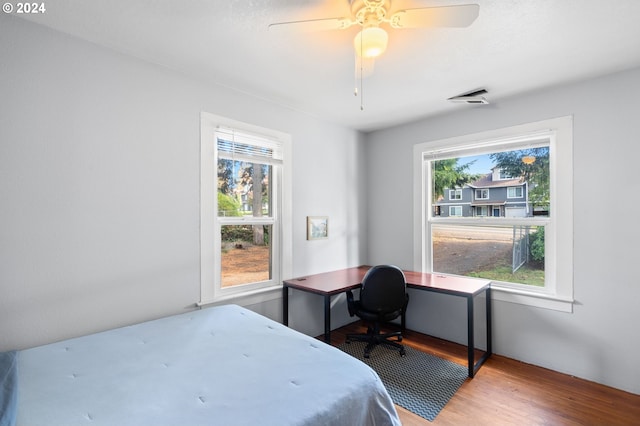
{"points": [[372, 40]]}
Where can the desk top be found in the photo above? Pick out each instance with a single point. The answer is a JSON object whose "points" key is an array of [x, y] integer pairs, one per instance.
{"points": [[451, 284], [334, 282]]}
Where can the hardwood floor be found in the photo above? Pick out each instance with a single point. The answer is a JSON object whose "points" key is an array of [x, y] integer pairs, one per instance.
{"points": [[509, 392]]}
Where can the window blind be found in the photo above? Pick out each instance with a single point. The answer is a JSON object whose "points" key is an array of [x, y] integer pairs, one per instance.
{"points": [[242, 146], [535, 140]]}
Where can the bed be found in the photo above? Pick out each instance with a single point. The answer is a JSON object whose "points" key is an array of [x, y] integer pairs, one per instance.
{"points": [[218, 366]]}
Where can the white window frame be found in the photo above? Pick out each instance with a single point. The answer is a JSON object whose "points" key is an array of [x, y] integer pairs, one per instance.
{"points": [[211, 290], [454, 208], [558, 291], [455, 194], [503, 175], [514, 189], [482, 211], [482, 191]]}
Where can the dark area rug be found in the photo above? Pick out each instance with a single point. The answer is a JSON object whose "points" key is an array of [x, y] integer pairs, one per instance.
{"points": [[419, 382]]}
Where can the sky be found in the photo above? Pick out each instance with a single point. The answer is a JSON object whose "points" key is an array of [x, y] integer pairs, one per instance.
{"points": [[482, 165]]}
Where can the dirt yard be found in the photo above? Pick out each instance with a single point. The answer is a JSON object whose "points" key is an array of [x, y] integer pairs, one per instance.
{"points": [[455, 255], [245, 264], [463, 255]]}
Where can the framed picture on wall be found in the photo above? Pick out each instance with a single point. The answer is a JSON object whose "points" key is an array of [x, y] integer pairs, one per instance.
{"points": [[317, 227]]}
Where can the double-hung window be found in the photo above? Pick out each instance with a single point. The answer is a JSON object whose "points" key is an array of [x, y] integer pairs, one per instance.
{"points": [[518, 233], [514, 192], [455, 211], [245, 234], [482, 194]]}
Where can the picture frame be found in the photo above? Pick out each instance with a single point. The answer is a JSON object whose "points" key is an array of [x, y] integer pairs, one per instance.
{"points": [[317, 227]]}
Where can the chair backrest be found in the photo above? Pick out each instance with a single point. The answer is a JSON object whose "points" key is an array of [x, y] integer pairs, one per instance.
{"points": [[384, 289]]}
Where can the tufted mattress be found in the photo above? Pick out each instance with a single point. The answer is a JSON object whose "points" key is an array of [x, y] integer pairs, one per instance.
{"points": [[218, 366]]}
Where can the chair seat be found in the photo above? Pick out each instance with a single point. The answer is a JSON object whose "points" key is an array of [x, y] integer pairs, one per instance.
{"points": [[383, 298], [375, 316]]}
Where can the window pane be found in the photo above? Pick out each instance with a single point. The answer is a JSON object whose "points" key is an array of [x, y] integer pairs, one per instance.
{"points": [[246, 254], [243, 188], [501, 253], [482, 194], [514, 192], [499, 184]]}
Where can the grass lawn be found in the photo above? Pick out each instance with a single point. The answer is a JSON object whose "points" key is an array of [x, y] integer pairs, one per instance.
{"points": [[528, 274]]}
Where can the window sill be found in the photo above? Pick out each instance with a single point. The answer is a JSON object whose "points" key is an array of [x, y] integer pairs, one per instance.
{"points": [[538, 300], [247, 298]]}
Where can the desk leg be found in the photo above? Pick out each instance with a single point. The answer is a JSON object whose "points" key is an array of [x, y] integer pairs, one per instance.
{"points": [[475, 366], [327, 319], [489, 337], [470, 332], [285, 305]]}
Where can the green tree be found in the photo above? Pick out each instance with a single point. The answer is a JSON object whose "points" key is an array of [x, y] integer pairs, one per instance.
{"points": [[225, 176], [536, 244], [227, 205], [251, 179], [449, 174], [535, 173], [256, 190]]}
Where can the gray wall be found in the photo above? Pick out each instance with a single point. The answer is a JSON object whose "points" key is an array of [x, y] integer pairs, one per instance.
{"points": [[599, 340], [99, 204], [99, 188]]}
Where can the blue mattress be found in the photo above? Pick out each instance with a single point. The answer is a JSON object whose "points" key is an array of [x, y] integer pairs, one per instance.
{"points": [[218, 366]]}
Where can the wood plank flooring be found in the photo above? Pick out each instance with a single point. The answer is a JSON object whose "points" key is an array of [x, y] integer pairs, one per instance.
{"points": [[509, 392]]}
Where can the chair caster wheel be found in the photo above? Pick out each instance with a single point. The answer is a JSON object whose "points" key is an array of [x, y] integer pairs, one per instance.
{"points": [[399, 338]]}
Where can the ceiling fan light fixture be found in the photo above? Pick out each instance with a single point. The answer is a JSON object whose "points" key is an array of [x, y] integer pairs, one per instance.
{"points": [[371, 42]]}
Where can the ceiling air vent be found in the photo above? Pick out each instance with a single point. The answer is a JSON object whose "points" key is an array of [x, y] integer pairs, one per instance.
{"points": [[475, 97]]}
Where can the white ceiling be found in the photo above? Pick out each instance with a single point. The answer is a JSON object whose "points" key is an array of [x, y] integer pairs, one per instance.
{"points": [[514, 46]]}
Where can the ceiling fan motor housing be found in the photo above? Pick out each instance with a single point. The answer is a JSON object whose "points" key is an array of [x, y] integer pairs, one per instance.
{"points": [[370, 13]]}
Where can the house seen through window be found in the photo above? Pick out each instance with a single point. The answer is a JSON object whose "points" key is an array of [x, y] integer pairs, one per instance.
{"points": [[512, 194], [498, 205]]}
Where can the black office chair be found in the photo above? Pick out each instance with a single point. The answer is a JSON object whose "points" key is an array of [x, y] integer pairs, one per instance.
{"points": [[383, 298]]}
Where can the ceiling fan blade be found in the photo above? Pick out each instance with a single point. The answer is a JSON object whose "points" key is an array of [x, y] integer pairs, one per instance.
{"points": [[425, 17], [312, 25]]}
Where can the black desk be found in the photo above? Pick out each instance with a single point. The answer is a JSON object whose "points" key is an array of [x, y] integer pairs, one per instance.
{"points": [[329, 283]]}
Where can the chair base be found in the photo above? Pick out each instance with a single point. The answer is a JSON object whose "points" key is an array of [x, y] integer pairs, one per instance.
{"points": [[375, 338]]}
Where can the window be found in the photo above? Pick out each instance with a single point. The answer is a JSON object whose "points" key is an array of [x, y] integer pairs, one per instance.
{"points": [[504, 174], [245, 210], [482, 211], [525, 246], [514, 192], [455, 211], [455, 194], [482, 194]]}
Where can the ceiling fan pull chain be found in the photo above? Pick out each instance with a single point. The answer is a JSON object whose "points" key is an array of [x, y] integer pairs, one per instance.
{"points": [[355, 76], [358, 75], [361, 60], [361, 94]]}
